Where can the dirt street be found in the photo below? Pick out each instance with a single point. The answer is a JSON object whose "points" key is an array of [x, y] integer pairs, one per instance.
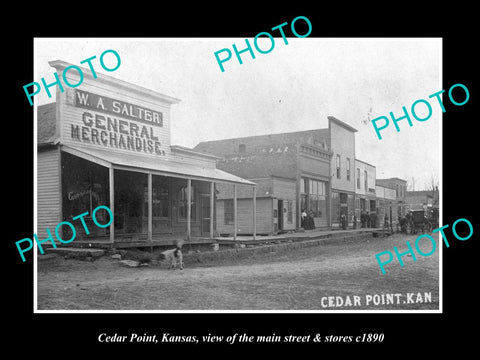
{"points": [[343, 276]]}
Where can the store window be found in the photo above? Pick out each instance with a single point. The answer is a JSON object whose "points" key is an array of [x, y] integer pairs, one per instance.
{"points": [[316, 198], [303, 193], [228, 212], [290, 211], [348, 169], [357, 208], [84, 187], [160, 202], [335, 205], [182, 203]]}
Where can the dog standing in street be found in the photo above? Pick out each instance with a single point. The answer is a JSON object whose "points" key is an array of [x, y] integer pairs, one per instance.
{"points": [[174, 256]]}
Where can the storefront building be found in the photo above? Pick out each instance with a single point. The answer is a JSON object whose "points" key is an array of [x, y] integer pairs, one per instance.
{"points": [[391, 202], [422, 200], [292, 173], [365, 194], [342, 143], [107, 142], [275, 207]]}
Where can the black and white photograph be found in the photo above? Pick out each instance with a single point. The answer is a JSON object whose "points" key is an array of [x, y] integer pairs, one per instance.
{"points": [[259, 185]]}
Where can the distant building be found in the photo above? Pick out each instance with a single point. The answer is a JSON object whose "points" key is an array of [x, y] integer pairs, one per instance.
{"points": [[275, 207], [311, 171], [391, 203], [342, 142], [292, 172], [423, 199], [365, 191]]}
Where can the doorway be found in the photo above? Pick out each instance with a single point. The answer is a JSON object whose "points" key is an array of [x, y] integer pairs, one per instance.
{"points": [[205, 214], [280, 215]]}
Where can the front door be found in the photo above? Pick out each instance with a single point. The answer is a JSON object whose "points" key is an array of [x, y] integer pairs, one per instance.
{"points": [[280, 215], [205, 214]]}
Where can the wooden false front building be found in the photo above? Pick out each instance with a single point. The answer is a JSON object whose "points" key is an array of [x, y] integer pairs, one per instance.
{"points": [[107, 142]]}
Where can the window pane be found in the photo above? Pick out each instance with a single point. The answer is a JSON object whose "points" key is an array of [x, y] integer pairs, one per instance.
{"points": [[303, 203], [228, 212], [322, 206], [182, 203], [303, 186], [313, 204], [321, 188]]}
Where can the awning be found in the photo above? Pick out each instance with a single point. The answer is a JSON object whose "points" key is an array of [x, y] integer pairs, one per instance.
{"points": [[133, 162]]}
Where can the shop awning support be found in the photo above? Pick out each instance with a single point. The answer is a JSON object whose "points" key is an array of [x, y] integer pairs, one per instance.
{"points": [[234, 211], [254, 212], [189, 207], [212, 204], [112, 204], [150, 215]]}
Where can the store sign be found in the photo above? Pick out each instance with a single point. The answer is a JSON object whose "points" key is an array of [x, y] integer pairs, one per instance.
{"points": [[74, 195], [115, 107], [117, 124]]}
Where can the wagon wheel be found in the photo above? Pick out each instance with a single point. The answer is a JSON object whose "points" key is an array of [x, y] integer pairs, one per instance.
{"points": [[414, 229], [423, 226], [409, 228], [428, 226]]}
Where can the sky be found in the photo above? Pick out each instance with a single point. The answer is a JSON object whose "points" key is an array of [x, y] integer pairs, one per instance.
{"points": [[294, 87]]}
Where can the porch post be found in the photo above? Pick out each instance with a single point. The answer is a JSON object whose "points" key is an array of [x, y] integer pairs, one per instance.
{"points": [[189, 205], [330, 200], [212, 204], [112, 203], [150, 215], [254, 212], [298, 204], [234, 211]]}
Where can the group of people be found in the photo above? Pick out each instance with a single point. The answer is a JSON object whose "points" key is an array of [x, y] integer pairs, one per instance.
{"points": [[308, 222], [366, 219]]}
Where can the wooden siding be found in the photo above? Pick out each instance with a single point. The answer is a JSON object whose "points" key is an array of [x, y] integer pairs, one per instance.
{"points": [[72, 116], [342, 143], [283, 189], [49, 203], [264, 188], [315, 166], [245, 217]]}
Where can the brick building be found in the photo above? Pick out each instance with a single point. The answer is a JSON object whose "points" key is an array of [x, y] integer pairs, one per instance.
{"points": [[391, 195], [308, 170], [423, 199]]}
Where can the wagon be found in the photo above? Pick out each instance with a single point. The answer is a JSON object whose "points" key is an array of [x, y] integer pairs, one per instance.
{"points": [[417, 221]]}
